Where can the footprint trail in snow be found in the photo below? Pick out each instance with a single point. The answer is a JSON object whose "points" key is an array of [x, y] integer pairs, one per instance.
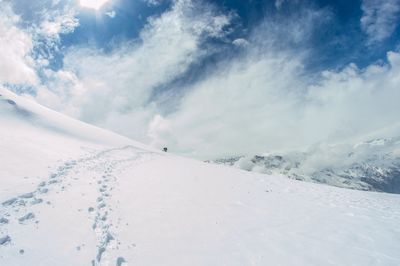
{"points": [[101, 171]]}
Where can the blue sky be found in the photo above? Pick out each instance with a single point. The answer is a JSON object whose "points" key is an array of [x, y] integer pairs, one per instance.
{"points": [[210, 78], [338, 41]]}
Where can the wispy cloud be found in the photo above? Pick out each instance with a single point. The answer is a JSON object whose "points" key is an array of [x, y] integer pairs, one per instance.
{"points": [[114, 89], [29, 33], [153, 2], [44, 21], [62, 23], [279, 3], [380, 18]]}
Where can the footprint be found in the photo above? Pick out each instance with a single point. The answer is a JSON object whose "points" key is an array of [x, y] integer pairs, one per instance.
{"points": [[4, 240], [120, 261], [9, 202], [36, 201], [43, 190], [27, 195], [3, 220], [52, 182], [53, 175], [26, 217], [100, 253]]}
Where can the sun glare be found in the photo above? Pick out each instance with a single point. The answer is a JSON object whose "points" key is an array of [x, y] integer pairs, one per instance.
{"points": [[95, 4]]}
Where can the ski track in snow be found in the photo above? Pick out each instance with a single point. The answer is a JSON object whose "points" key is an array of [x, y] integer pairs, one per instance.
{"points": [[19, 209]]}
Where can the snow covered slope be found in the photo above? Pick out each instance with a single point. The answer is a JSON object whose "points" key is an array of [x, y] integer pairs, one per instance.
{"points": [[72, 194], [33, 138]]}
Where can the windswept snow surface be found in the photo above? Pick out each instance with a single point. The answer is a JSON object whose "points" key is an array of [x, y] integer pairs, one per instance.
{"points": [[73, 194]]}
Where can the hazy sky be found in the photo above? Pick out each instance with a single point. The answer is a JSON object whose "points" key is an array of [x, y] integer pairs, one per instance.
{"points": [[211, 78]]}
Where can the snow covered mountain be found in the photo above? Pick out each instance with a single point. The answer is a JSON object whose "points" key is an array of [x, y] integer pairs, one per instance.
{"points": [[370, 165], [74, 194]]}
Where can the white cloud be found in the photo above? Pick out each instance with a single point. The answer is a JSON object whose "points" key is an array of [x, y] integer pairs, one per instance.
{"points": [[246, 105], [111, 14], [260, 104], [356, 101], [264, 101], [240, 42], [114, 89], [62, 23], [47, 18], [380, 18], [44, 21], [154, 2], [28, 29], [16, 66]]}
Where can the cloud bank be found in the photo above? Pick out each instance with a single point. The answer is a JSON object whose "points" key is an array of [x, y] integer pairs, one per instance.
{"points": [[262, 104], [255, 94]]}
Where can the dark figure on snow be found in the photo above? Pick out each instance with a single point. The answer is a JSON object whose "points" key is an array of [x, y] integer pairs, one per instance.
{"points": [[165, 149]]}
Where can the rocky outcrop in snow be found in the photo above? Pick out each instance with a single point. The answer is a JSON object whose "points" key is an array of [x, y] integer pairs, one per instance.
{"points": [[371, 165]]}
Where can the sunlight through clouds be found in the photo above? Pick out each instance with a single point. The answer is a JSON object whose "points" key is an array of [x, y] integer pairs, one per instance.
{"points": [[95, 4]]}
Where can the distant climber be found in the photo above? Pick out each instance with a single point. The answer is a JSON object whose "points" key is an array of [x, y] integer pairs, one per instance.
{"points": [[165, 149]]}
